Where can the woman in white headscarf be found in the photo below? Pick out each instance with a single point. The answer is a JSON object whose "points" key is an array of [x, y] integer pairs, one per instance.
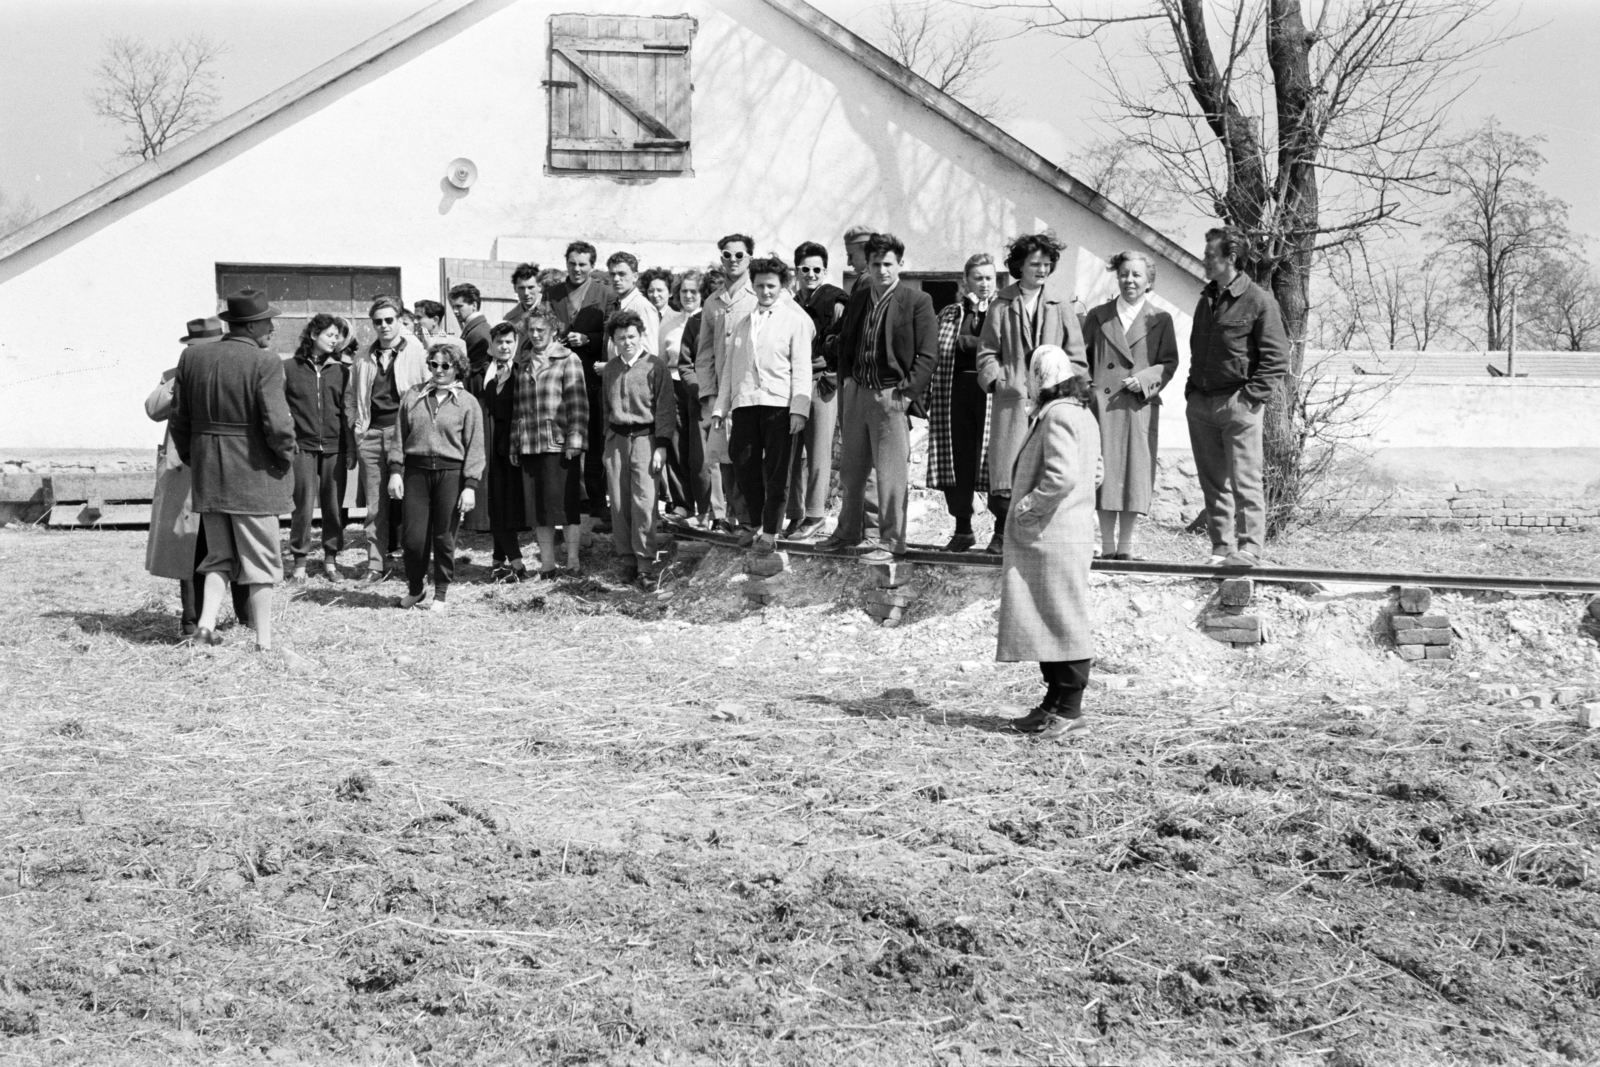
{"points": [[1044, 586]]}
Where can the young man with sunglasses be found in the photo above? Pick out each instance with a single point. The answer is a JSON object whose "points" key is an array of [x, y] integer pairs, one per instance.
{"points": [[722, 314], [811, 458], [379, 377]]}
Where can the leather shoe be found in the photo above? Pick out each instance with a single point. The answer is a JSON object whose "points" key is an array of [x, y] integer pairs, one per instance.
{"points": [[1240, 558], [765, 544], [997, 545], [879, 555], [960, 543], [203, 636], [1035, 720], [805, 530], [836, 544], [747, 537], [1060, 726]]}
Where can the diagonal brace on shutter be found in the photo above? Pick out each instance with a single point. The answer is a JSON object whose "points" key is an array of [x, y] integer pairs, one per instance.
{"points": [[619, 94]]}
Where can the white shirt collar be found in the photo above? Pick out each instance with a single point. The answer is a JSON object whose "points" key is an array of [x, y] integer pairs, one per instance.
{"points": [[1127, 313]]}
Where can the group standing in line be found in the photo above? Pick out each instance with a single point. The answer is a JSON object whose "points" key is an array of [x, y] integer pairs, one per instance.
{"points": [[719, 393]]}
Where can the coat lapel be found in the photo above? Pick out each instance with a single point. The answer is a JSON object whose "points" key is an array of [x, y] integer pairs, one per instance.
{"points": [[1111, 326], [1142, 325]]}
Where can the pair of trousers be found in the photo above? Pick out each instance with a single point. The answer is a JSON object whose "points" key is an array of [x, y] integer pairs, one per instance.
{"points": [[759, 442], [1225, 433], [318, 483], [1065, 681], [550, 486], [633, 495], [430, 526], [594, 464], [727, 502], [688, 483], [811, 461], [507, 507], [875, 438], [378, 526], [969, 414]]}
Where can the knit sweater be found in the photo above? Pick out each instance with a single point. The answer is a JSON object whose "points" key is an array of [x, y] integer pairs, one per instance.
{"points": [[640, 394], [447, 437]]}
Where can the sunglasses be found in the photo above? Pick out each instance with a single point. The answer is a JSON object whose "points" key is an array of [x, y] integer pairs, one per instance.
{"points": [[439, 364], [735, 256], [384, 322], [811, 270]]}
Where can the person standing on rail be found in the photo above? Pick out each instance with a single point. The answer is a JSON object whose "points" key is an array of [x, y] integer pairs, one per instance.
{"points": [[1044, 581], [1238, 352], [958, 409]]}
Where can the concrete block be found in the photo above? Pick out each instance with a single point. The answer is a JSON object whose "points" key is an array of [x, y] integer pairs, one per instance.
{"points": [[1237, 592], [1434, 620], [1410, 652], [902, 597], [1568, 694], [762, 587], [890, 575], [1422, 637], [767, 565], [1588, 716], [1228, 621], [1541, 700], [1415, 599], [1398, 622], [1235, 637], [1437, 652]]}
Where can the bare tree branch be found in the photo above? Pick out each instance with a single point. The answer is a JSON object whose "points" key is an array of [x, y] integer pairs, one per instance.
{"points": [[158, 94], [15, 213], [953, 53]]}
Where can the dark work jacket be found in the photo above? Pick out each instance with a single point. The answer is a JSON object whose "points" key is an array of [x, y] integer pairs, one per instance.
{"points": [[231, 424], [316, 403], [1239, 345], [590, 321], [910, 332]]}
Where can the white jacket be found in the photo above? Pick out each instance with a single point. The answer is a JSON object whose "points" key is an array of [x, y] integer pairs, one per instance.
{"points": [[769, 362]]}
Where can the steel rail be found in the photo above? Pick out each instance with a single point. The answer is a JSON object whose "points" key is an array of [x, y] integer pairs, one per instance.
{"points": [[930, 554]]}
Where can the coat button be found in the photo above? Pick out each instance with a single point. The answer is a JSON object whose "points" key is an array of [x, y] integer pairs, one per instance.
{"points": [[1108, 389]]}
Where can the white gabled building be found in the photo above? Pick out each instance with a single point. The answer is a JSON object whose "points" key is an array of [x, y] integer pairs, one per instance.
{"points": [[653, 126]]}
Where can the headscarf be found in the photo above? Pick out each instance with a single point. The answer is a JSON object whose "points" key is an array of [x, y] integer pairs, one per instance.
{"points": [[1048, 366]]}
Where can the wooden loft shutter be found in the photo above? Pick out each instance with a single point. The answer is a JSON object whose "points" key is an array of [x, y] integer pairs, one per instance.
{"points": [[619, 94]]}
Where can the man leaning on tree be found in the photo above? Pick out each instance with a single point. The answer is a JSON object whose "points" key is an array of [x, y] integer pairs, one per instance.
{"points": [[1238, 352]]}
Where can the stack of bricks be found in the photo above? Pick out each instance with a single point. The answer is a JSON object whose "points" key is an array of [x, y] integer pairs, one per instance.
{"points": [[1420, 633], [765, 578], [894, 596], [1228, 621]]}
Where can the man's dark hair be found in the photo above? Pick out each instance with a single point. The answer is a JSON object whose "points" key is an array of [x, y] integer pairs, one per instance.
{"points": [[430, 309], [468, 292], [524, 271], [1021, 248], [385, 301], [770, 265], [880, 243], [748, 242], [582, 248], [624, 257], [621, 320], [806, 249], [500, 329], [1231, 243]]}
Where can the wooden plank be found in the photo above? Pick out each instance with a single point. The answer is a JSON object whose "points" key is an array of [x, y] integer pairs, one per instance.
{"points": [[77, 486], [618, 44], [619, 94]]}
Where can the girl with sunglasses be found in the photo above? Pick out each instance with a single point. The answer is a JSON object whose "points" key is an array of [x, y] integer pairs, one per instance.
{"points": [[435, 462]]}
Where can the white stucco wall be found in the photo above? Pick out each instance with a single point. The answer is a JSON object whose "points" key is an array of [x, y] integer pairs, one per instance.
{"points": [[792, 140]]}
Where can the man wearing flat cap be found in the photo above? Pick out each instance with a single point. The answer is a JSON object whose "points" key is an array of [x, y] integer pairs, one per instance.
{"points": [[231, 425]]}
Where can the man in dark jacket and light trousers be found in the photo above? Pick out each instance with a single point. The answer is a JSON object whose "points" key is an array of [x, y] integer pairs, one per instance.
{"points": [[1238, 352], [887, 345], [232, 427]]}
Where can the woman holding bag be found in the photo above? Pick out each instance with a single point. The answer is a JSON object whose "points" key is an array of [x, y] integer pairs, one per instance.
{"points": [[1044, 584]]}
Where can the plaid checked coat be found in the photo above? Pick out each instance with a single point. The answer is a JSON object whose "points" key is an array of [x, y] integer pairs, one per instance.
{"points": [[552, 405], [941, 449]]}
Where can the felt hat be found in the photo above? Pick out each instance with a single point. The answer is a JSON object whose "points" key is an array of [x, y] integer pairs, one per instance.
{"points": [[208, 329], [248, 305]]}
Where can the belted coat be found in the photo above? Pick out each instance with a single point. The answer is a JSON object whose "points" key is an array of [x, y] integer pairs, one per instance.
{"points": [[231, 425], [1129, 418]]}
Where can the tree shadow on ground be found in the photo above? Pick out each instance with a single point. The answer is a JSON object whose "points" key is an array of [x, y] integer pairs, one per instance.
{"points": [[331, 595], [901, 703], [145, 626]]}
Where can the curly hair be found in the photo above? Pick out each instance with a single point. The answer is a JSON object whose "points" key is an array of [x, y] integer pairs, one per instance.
{"points": [[524, 271], [319, 322], [693, 274], [621, 320], [654, 274], [453, 347], [1021, 248], [1116, 262], [770, 265]]}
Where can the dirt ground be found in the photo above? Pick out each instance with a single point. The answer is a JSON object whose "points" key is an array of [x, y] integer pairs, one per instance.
{"points": [[582, 824]]}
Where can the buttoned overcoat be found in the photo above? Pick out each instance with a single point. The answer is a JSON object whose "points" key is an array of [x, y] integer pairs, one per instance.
{"points": [[232, 426], [1129, 418]]}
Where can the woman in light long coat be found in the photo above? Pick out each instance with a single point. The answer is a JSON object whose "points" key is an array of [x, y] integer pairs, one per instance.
{"points": [[1044, 584], [1133, 354], [1025, 315]]}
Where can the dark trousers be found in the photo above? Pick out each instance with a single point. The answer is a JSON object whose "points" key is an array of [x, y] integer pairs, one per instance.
{"points": [[1065, 682], [192, 592], [318, 483], [594, 460], [550, 487], [759, 444], [688, 482], [507, 515], [431, 519], [969, 412]]}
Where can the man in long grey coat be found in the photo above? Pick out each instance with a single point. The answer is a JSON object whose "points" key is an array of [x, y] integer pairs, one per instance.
{"points": [[231, 424]]}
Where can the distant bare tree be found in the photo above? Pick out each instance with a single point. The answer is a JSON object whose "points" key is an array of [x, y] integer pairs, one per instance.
{"points": [[159, 94], [1563, 306], [15, 213], [951, 51], [1305, 125], [1502, 223], [1125, 174]]}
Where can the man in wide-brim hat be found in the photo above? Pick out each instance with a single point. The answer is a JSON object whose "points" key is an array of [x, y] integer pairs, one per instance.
{"points": [[231, 425]]}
